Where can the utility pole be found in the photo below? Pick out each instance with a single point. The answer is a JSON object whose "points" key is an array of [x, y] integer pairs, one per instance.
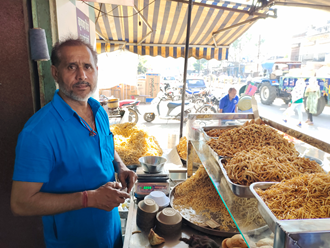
{"points": [[259, 43]]}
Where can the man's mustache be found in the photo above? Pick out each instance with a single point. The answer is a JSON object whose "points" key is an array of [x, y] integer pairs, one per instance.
{"points": [[82, 83]]}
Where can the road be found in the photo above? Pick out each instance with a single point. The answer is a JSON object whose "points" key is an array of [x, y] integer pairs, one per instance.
{"points": [[163, 129]]}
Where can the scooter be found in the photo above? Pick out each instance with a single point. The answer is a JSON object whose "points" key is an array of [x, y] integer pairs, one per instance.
{"points": [[170, 93], [119, 111], [160, 106]]}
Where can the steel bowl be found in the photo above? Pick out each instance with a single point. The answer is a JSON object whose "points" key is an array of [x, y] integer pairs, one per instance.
{"points": [[152, 164]]}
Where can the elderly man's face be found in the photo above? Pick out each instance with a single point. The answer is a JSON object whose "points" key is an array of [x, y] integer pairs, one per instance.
{"points": [[232, 94], [76, 73]]}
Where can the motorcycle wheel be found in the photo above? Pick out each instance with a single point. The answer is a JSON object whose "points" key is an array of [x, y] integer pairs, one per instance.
{"points": [[206, 109], [198, 103], [133, 116], [149, 117]]}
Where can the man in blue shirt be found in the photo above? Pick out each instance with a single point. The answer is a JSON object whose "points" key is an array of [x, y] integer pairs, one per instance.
{"points": [[65, 159], [228, 104]]}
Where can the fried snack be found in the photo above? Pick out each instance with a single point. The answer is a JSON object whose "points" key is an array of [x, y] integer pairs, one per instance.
{"points": [[235, 241], [248, 137], [199, 193], [182, 148], [267, 165], [216, 132], [133, 142], [154, 239], [302, 197]]}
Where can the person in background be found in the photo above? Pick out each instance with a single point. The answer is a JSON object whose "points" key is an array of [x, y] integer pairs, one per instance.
{"points": [[297, 100], [228, 104], [66, 161], [277, 72], [313, 94]]}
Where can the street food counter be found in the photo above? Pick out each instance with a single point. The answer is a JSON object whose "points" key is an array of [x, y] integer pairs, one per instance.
{"points": [[286, 233], [249, 213]]}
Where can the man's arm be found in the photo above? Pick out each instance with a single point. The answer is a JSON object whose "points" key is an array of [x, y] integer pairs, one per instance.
{"points": [[236, 108], [220, 110], [27, 200], [125, 176]]}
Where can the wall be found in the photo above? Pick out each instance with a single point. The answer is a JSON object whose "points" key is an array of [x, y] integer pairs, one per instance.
{"points": [[16, 107], [67, 21]]}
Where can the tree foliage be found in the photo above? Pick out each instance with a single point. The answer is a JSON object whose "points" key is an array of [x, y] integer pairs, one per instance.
{"points": [[199, 65], [142, 69]]}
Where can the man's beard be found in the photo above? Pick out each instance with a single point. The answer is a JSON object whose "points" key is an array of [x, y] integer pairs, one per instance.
{"points": [[70, 94]]}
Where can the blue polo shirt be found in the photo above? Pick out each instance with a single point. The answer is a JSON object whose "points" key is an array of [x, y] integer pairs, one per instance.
{"points": [[55, 149], [228, 106]]}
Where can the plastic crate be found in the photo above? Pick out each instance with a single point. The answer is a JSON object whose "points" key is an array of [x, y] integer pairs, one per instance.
{"points": [[149, 99]]}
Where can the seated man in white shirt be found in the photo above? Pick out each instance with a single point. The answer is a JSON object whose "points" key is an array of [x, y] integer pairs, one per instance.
{"points": [[277, 72]]}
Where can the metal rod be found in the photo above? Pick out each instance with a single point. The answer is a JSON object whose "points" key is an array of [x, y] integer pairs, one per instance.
{"points": [[185, 66], [163, 45], [223, 8], [142, 17], [236, 25], [303, 5], [143, 39]]}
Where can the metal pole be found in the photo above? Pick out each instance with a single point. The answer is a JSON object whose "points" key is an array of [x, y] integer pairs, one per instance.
{"points": [[185, 66]]}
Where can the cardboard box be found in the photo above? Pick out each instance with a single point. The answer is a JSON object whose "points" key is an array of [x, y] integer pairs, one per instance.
{"points": [[152, 84], [141, 86]]}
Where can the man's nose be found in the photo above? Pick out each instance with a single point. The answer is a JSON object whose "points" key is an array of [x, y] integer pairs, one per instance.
{"points": [[81, 74]]}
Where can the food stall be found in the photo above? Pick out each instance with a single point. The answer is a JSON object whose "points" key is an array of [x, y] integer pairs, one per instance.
{"points": [[250, 215]]}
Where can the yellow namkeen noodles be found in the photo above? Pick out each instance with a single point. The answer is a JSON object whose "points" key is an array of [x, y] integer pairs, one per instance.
{"points": [[303, 197], [133, 142], [267, 165], [250, 136]]}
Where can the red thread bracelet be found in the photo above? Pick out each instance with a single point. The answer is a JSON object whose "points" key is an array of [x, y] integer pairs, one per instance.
{"points": [[85, 199]]}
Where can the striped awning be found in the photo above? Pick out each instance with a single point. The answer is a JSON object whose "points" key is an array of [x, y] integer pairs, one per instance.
{"points": [[158, 27]]}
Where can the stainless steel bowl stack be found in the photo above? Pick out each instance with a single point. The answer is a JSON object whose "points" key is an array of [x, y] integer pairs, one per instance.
{"points": [[152, 164]]}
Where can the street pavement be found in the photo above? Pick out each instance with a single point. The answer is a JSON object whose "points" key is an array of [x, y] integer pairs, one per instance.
{"points": [[321, 129]]}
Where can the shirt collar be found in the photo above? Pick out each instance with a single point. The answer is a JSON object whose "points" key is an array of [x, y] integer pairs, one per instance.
{"points": [[65, 111]]}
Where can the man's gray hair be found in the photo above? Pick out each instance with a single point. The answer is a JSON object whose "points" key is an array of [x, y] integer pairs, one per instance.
{"points": [[231, 89], [55, 56]]}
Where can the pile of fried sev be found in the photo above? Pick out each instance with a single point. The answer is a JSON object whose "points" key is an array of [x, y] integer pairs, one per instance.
{"points": [[267, 165], [133, 142], [250, 136], [303, 197], [182, 147], [199, 193]]}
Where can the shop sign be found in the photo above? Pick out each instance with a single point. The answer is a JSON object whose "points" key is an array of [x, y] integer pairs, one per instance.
{"points": [[83, 26]]}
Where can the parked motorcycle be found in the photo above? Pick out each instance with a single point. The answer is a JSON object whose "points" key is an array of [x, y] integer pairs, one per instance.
{"points": [[117, 109], [211, 105], [170, 92], [160, 106]]}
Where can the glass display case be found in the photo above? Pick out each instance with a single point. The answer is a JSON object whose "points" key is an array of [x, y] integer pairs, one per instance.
{"points": [[246, 212]]}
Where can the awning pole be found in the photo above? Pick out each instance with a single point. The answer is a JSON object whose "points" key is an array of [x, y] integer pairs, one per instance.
{"points": [[185, 66]]}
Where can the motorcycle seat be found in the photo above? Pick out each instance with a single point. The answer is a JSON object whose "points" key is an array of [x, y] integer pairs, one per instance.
{"points": [[175, 104]]}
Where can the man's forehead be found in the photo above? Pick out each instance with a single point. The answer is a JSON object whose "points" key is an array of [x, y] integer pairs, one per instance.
{"points": [[74, 53]]}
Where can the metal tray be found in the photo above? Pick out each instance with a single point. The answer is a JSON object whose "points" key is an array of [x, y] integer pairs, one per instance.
{"points": [[265, 212], [214, 154], [207, 230], [188, 215], [205, 129], [239, 190]]}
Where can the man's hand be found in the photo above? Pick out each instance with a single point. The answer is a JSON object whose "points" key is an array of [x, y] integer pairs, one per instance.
{"points": [[107, 197], [289, 105], [127, 178]]}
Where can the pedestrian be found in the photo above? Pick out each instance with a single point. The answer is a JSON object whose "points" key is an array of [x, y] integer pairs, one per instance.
{"points": [[313, 94], [297, 100], [66, 162], [228, 104]]}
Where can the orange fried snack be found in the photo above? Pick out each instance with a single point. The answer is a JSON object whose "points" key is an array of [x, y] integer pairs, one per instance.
{"points": [[267, 165], [302, 197], [248, 137]]}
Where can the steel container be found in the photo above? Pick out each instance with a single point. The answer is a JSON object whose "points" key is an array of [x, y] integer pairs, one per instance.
{"points": [[152, 164]]}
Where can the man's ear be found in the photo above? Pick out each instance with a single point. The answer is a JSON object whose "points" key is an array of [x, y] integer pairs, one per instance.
{"points": [[54, 72]]}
